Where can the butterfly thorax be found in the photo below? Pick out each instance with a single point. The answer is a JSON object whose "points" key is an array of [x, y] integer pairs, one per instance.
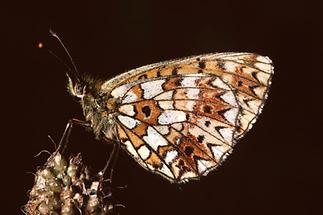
{"points": [[100, 113], [98, 109]]}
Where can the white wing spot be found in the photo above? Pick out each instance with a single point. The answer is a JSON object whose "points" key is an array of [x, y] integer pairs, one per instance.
{"points": [[130, 97], [217, 152], [170, 156], [227, 133], [127, 109], [144, 152], [231, 115], [193, 93], [128, 121], [200, 166], [163, 129], [166, 104], [117, 92], [154, 139], [189, 81], [207, 164], [229, 98], [259, 91], [177, 126], [152, 88], [220, 84], [231, 66], [171, 116]]}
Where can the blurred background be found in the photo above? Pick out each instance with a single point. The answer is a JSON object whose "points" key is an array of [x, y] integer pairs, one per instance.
{"points": [[275, 169]]}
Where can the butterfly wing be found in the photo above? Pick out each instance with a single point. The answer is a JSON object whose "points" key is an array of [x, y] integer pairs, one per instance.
{"points": [[181, 118]]}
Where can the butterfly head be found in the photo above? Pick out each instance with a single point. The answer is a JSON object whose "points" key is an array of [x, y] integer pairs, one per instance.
{"points": [[84, 89], [94, 102]]}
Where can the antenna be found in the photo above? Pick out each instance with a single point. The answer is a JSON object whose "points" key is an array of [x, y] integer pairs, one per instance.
{"points": [[53, 34], [41, 45], [60, 60]]}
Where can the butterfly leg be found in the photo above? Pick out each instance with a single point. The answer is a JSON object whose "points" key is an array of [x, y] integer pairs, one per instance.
{"points": [[111, 162], [64, 139]]}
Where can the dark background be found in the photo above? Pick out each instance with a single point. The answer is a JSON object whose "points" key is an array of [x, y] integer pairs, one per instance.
{"points": [[275, 169]]}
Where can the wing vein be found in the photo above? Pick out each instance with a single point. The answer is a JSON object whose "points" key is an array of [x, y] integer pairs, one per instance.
{"points": [[150, 148], [176, 147]]}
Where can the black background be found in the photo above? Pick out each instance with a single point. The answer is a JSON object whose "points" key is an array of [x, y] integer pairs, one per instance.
{"points": [[275, 169]]}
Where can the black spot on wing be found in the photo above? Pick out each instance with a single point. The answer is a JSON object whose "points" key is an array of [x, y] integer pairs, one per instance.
{"points": [[254, 75], [144, 76], [175, 71], [188, 150], [146, 110], [207, 123], [202, 64], [158, 74], [178, 82], [123, 139], [200, 138], [221, 64], [207, 109]]}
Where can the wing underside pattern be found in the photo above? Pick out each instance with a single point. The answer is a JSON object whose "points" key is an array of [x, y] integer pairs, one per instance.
{"points": [[181, 118]]}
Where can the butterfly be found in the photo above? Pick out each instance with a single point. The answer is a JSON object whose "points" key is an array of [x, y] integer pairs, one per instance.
{"points": [[180, 118]]}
